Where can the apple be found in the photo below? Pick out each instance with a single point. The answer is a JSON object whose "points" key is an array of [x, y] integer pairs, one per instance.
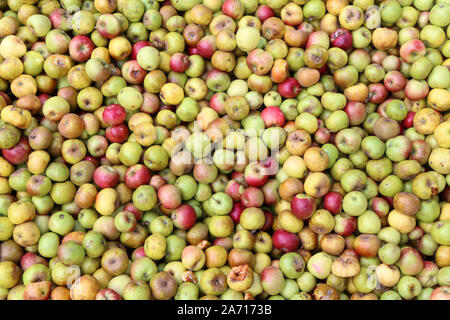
{"points": [[106, 176], [285, 241], [341, 38], [303, 206], [332, 201], [137, 175], [80, 48], [19, 153]]}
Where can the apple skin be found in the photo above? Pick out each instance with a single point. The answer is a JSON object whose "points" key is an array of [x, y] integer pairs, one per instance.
{"points": [[80, 48], [264, 12], [114, 114], [289, 88], [106, 177], [273, 116], [137, 175], [206, 46], [255, 174], [332, 201], [356, 112], [440, 293], [345, 225], [233, 8], [236, 212], [118, 133], [184, 217], [268, 222], [234, 190], [252, 197], [303, 206], [138, 253], [179, 62], [285, 241], [193, 51], [412, 50], [217, 102], [394, 81], [108, 294], [341, 38], [108, 26], [43, 97], [19, 153], [56, 17], [319, 38], [377, 92], [271, 165]]}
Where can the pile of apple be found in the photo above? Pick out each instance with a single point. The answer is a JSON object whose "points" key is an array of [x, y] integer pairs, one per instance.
{"points": [[237, 149]]}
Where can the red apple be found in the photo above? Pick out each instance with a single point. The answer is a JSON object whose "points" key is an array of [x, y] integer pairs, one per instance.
{"points": [[184, 217], [255, 174], [236, 212], [170, 196], [252, 197], [273, 116], [217, 102], [43, 97], [271, 164], [106, 177], [408, 121], [114, 114], [380, 206], [332, 201], [207, 46], [394, 81], [239, 177], [117, 133], [367, 245], [108, 25], [192, 51], [19, 153], [107, 294], [345, 225], [37, 290], [264, 12], [412, 50], [80, 48], [303, 206], [285, 241], [179, 62], [416, 90], [341, 38], [56, 17], [322, 135], [132, 72], [356, 112], [234, 190], [268, 222], [233, 8], [289, 88], [377, 93], [137, 175]]}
